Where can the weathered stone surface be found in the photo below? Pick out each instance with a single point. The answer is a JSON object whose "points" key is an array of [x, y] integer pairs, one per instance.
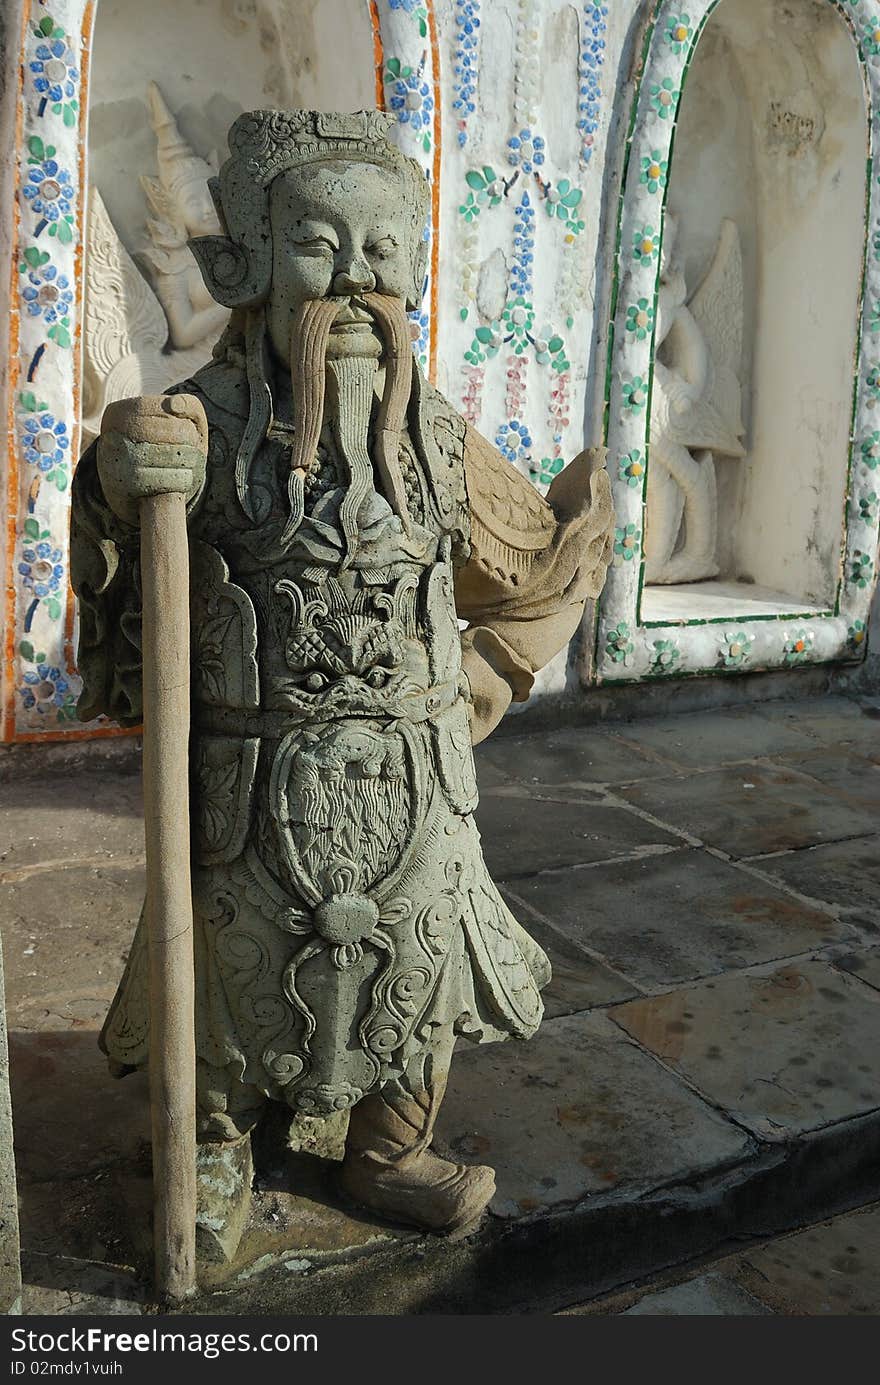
{"points": [[574, 759], [785, 1049], [829, 1270], [751, 810], [56, 1128], [702, 739], [73, 1288], [579, 981], [863, 963], [855, 775], [522, 835], [42, 820], [578, 1111], [709, 1295], [704, 916], [844, 873], [67, 936], [828, 720]]}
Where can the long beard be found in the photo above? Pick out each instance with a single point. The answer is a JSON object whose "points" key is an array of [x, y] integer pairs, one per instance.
{"points": [[348, 404]]}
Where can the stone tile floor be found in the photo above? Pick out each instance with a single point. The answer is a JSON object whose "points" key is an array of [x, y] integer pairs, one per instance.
{"points": [[708, 889]]}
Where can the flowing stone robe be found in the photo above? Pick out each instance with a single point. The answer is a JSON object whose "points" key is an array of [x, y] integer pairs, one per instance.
{"points": [[345, 923]]}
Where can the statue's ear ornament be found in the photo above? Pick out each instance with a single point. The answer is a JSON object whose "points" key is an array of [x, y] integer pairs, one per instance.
{"points": [[226, 270]]}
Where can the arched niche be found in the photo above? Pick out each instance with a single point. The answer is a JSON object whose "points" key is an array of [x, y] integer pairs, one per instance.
{"points": [[748, 146]]}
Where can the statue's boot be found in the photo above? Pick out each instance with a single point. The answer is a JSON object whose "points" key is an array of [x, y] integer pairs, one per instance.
{"points": [[390, 1169], [224, 1174]]}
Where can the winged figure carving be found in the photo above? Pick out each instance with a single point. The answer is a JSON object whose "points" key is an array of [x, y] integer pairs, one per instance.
{"points": [[696, 409]]}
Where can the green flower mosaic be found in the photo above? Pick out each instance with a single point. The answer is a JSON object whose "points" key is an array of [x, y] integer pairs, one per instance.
{"points": [[485, 344], [664, 97], [654, 171], [635, 395], [518, 317], [867, 510], [874, 319], [798, 646], [736, 649], [856, 635], [665, 656], [646, 246], [872, 382], [546, 469], [870, 450], [631, 468], [861, 570], [626, 542], [678, 31], [640, 319], [618, 643], [488, 188], [871, 36], [562, 201]]}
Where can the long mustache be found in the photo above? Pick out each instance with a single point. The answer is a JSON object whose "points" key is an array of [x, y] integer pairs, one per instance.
{"points": [[310, 334]]}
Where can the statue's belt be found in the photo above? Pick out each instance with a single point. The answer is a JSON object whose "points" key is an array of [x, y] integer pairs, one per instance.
{"points": [[274, 723]]}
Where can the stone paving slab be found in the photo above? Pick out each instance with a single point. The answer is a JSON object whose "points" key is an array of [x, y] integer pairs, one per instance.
{"points": [[699, 740], [709, 1295], [828, 1270], [71, 1117], [863, 963], [832, 1269], [522, 835], [579, 981], [828, 720], [751, 810], [704, 916], [68, 932], [785, 1049], [91, 816], [578, 1110], [852, 774], [844, 874], [571, 759]]}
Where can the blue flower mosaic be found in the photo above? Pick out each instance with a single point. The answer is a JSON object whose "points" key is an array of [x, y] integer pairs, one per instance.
{"points": [[592, 56], [526, 151], [55, 73], [45, 686], [523, 248], [45, 441], [407, 5], [49, 189], [47, 293], [514, 441], [41, 569], [411, 100], [464, 70]]}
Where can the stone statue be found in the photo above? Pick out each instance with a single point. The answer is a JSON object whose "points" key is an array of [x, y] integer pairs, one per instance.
{"points": [[344, 519], [696, 409], [142, 335]]}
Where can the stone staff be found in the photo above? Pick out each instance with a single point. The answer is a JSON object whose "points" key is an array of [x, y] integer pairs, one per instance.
{"points": [[160, 442]]}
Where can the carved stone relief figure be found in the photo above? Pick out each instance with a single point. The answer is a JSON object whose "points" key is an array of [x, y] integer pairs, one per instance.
{"points": [[343, 519], [696, 409], [142, 335]]}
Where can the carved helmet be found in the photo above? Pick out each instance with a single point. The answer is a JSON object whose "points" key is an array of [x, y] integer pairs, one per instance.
{"points": [[237, 267]]}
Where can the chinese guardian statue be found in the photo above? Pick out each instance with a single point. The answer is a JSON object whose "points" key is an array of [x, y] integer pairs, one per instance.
{"points": [[343, 521]]}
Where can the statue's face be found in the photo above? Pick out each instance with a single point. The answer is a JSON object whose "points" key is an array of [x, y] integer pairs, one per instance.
{"points": [[197, 208], [339, 229]]}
